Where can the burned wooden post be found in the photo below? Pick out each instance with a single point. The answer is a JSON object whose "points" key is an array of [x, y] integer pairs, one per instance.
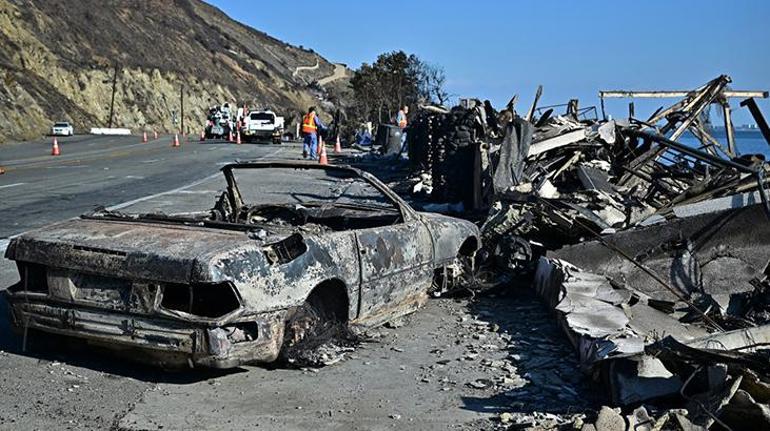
{"points": [[729, 130], [758, 117], [532, 108]]}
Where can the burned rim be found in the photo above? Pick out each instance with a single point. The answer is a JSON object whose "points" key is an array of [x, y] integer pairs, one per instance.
{"points": [[309, 326], [457, 277]]}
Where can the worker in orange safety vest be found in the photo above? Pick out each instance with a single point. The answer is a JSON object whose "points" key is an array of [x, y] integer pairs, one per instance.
{"points": [[310, 126]]}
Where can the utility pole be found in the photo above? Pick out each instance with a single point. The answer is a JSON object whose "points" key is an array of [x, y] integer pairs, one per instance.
{"points": [[114, 87], [181, 108]]}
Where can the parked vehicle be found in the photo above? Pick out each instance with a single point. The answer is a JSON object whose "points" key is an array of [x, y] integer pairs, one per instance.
{"points": [[262, 126], [264, 273], [62, 128]]}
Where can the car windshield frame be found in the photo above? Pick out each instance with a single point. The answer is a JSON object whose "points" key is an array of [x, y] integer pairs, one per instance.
{"points": [[406, 212], [61, 124]]}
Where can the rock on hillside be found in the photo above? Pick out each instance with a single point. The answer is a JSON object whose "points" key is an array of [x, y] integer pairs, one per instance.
{"points": [[57, 59]]}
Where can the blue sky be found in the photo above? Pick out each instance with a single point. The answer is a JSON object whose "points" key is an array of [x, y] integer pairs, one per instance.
{"points": [[493, 49]]}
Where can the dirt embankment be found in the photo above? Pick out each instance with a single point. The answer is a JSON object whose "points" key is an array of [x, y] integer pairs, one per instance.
{"points": [[57, 61]]}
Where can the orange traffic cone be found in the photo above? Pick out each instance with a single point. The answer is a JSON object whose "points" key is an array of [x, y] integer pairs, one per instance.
{"points": [[55, 150], [203, 135], [322, 160], [155, 134], [230, 136], [337, 146], [238, 137], [144, 137], [176, 140]]}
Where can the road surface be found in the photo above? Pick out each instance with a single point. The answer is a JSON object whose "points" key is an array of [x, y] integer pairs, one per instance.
{"points": [[422, 375], [339, 72], [301, 68]]}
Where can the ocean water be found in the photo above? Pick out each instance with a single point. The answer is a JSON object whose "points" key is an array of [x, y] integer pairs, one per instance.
{"points": [[746, 142]]}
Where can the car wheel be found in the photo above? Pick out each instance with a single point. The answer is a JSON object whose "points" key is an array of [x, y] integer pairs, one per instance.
{"points": [[458, 276], [308, 327]]}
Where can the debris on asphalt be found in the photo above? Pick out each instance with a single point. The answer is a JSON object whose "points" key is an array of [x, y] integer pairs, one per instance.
{"points": [[653, 255], [622, 279]]}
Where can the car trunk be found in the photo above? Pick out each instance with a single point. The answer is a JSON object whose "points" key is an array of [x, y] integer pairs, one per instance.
{"points": [[135, 250]]}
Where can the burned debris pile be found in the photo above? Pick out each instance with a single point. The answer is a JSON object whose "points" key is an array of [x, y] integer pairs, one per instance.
{"points": [[653, 254], [449, 146], [556, 179]]}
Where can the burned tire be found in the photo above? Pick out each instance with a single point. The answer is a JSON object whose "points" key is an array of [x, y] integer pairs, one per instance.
{"points": [[310, 326], [457, 277]]}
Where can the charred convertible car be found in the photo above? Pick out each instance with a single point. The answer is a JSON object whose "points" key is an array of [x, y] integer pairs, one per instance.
{"points": [[286, 249]]}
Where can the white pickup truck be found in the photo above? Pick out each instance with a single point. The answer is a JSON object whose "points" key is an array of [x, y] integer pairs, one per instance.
{"points": [[262, 126]]}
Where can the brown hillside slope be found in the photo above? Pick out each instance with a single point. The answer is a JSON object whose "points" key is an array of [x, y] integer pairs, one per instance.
{"points": [[57, 59]]}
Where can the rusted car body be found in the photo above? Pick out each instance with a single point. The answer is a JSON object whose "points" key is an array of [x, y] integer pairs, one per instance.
{"points": [[216, 288]]}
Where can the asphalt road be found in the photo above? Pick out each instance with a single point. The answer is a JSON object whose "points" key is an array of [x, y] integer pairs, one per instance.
{"points": [[422, 375], [38, 189]]}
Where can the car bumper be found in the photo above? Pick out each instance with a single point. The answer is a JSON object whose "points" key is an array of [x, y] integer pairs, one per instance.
{"points": [[158, 341]]}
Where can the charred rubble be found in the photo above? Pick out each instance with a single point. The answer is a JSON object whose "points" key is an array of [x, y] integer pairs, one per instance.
{"points": [[653, 255]]}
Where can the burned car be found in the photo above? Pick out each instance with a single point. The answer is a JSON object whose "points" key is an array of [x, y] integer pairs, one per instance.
{"points": [[287, 249]]}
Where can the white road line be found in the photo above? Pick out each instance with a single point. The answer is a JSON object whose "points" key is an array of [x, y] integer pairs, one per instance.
{"points": [[12, 185], [178, 189], [4, 241], [168, 192]]}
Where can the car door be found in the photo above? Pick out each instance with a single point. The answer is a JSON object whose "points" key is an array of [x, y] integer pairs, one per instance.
{"points": [[396, 266]]}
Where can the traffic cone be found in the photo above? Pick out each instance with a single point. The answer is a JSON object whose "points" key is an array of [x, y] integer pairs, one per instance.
{"points": [[230, 136], [238, 137], [155, 134], [144, 137], [176, 140], [322, 153], [55, 150], [203, 135], [337, 146], [2, 170]]}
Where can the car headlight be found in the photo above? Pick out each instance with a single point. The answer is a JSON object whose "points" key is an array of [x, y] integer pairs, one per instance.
{"points": [[204, 300]]}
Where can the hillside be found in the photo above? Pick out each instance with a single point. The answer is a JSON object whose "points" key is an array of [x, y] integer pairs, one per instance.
{"points": [[57, 60]]}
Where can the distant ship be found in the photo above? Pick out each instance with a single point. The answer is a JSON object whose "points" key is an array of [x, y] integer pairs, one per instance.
{"points": [[741, 128]]}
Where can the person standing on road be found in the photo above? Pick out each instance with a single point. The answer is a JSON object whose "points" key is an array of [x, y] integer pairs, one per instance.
{"points": [[310, 126], [401, 122]]}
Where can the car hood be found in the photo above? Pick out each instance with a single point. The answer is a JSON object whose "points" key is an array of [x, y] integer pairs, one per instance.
{"points": [[127, 249]]}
